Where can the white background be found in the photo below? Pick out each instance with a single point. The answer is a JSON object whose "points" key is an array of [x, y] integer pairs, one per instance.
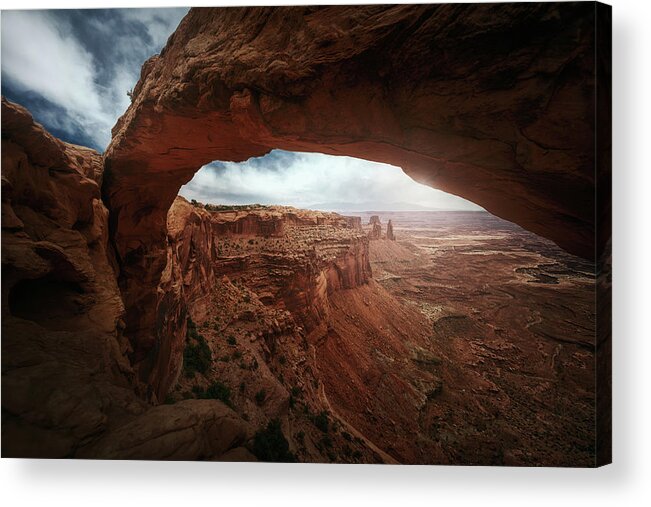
{"points": [[626, 482]]}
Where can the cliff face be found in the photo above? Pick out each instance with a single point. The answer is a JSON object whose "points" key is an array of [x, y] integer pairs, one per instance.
{"points": [[68, 387], [252, 323], [473, 99], [62, 343], [292, 259], [283, 316]]}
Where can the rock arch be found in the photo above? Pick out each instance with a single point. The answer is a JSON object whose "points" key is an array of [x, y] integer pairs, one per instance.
{"points": [[495, 103]]}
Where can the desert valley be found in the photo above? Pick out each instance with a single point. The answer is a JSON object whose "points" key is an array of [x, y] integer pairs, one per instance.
{"points": [[368, 349], [140, 324]]}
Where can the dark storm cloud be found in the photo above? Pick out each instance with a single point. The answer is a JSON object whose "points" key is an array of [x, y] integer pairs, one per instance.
{"points": [[72, 68]]}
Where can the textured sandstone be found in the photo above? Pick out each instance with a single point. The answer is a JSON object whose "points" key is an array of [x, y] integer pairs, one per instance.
{"points": [[376, 231], [63, 352], [187, 430], [298, 261], [475, 100], [298, 312], [67, 379]]}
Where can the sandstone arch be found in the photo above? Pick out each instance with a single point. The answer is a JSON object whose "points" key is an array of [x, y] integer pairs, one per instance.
{"points": [[495, 103]]}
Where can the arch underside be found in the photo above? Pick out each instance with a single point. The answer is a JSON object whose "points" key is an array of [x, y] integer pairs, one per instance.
{"points": [[494, 103]]}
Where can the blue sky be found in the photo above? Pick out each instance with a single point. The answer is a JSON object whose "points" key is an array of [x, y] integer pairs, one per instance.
{"points": [[72, 69]]}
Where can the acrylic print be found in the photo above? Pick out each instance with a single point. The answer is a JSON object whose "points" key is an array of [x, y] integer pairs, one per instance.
{"points": [[370, 234]]}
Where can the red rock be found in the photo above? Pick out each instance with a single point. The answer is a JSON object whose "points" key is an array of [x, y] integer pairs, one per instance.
{"points": [[390, 235], [375, 232], [67, 378], [484, 117]]}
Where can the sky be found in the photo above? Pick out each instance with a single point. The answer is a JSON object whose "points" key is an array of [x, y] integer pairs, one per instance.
{"points": [[315, 180], [73, 68]]}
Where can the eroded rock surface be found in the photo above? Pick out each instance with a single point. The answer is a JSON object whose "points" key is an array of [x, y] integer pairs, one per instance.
{"points": [[297, 330], [67, 378], [287, 256], [476, 100]]}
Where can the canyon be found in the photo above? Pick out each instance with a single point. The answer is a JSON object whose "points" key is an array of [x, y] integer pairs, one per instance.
{"points": [[138, 325]]}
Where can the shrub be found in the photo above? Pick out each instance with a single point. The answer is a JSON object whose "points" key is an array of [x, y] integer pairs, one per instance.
{"points": [[196, 355], [321, 421], [215, 391], [260, 396], [326, 441], [231, 340], [219, 391], [294, 394], [271, 445]]}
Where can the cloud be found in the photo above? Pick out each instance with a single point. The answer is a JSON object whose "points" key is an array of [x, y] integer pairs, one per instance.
{"points": [[315, 180], [72, 68]]}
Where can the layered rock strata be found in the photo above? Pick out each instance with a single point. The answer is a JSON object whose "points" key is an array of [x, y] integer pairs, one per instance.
{"points": [[473, 99], [390, 235], [68, 386]]}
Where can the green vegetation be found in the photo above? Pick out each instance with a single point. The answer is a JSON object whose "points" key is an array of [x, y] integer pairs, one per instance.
{"points": [[196, 355], [215, 391], [294, 394], [326, 441], [231, 340], [260, 396], [271, 445], [321, 421]]}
